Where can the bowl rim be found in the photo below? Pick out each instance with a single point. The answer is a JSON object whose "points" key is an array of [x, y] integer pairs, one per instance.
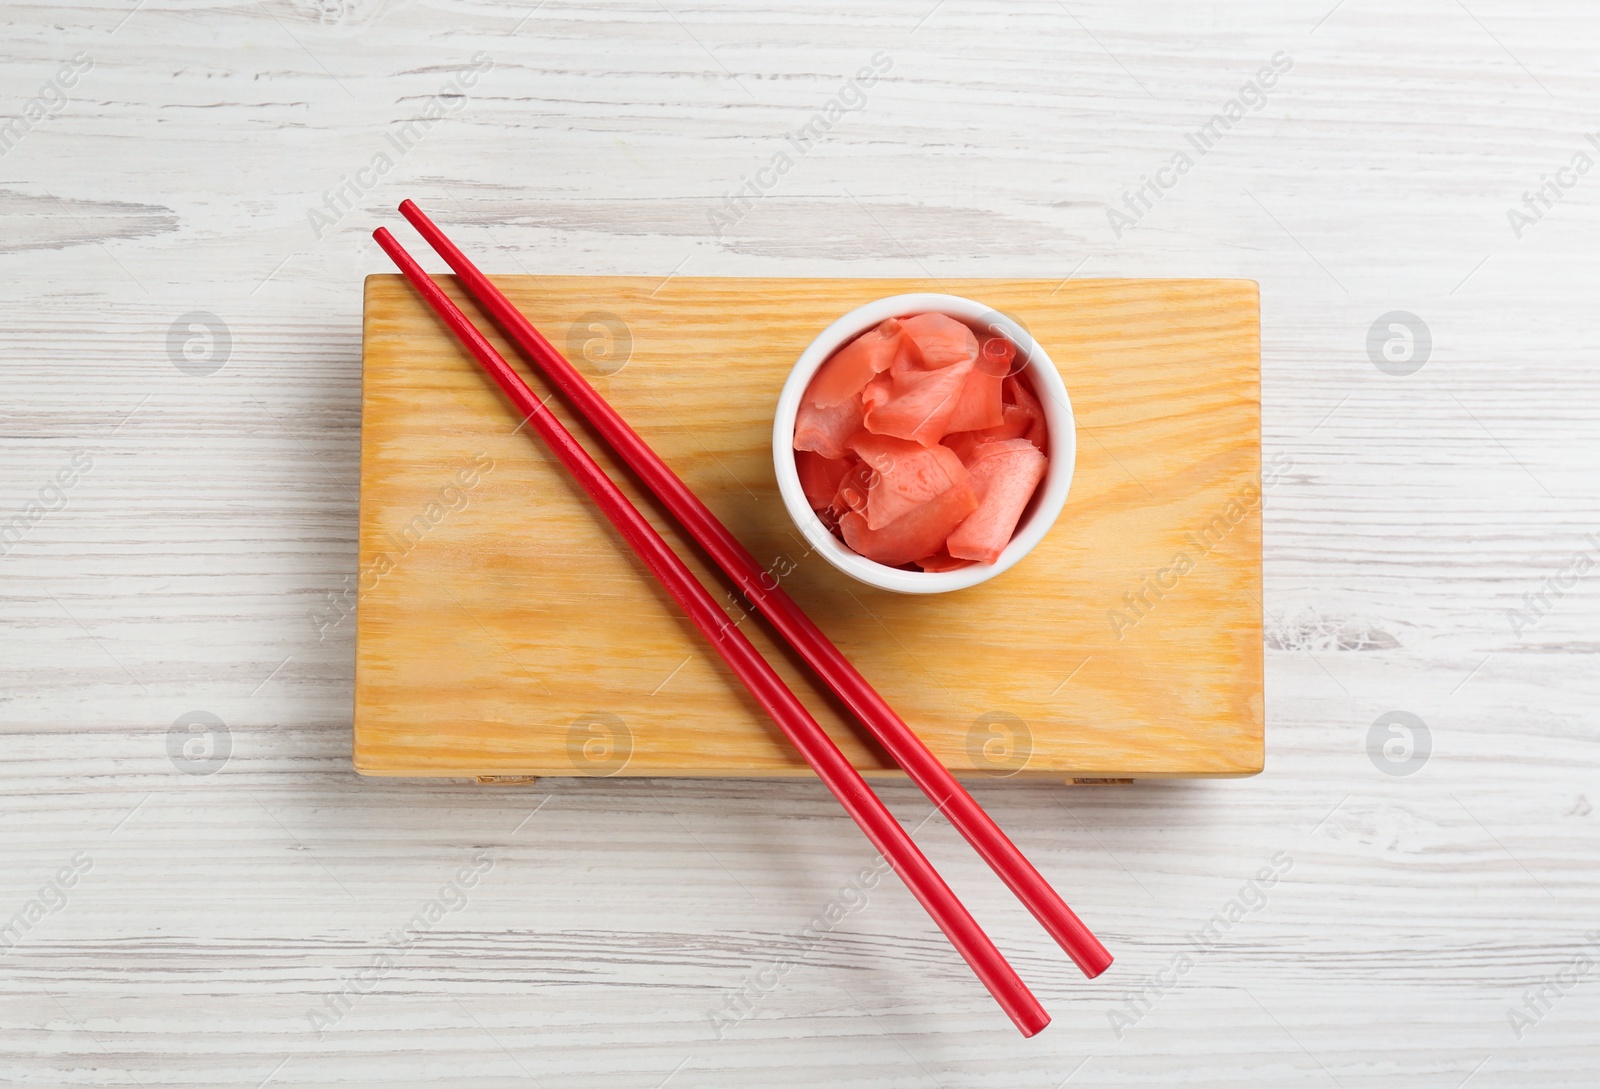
{"points": [[1047, 502]]}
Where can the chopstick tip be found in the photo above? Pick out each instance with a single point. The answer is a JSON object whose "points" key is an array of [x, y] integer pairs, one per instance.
{"points": [[1033, 1028]]}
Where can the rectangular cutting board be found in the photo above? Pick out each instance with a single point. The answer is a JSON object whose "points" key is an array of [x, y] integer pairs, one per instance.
{"points": [[504, 629]]}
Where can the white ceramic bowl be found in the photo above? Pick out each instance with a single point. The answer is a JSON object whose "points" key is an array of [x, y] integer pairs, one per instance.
{"points": [[1047, 500]]}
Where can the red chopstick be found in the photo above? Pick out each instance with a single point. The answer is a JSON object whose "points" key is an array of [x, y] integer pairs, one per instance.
{"points": [[847, 785], [791, 622]]}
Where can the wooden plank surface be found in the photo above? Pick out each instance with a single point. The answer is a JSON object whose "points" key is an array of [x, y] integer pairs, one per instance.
{"points": [[221, 513], [504, 629]]}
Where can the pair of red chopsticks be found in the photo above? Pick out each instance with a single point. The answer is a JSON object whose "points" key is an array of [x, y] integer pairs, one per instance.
{"points": [[825, 659]]}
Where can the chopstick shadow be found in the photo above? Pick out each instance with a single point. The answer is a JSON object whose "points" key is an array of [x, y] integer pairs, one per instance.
{"points": [[820, 700]]}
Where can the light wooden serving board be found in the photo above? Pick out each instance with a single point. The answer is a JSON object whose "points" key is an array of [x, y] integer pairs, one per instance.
{"points": [[504, 629]]}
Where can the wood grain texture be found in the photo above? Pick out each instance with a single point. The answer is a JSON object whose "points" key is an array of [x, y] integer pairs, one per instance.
{"points": [[504, 629], [221, 513]]}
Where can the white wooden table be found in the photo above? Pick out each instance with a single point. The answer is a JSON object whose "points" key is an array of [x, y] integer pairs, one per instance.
{"points": [[183, 232]]}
